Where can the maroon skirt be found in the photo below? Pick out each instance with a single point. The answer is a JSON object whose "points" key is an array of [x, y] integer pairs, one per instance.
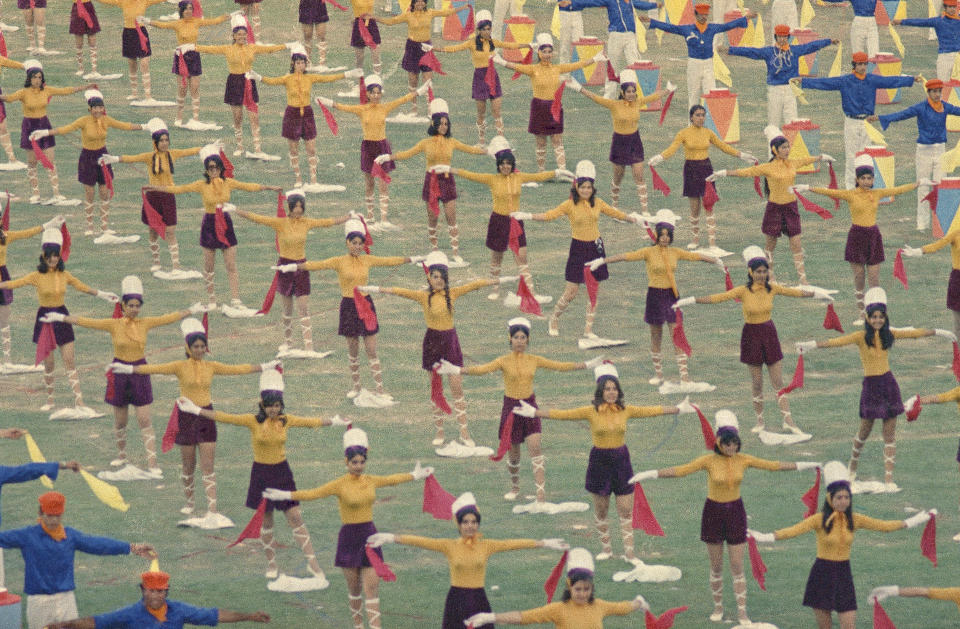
{"points": [[462, 603], [369, 150], [523, 427], [193, 429], [541, 119], [953, 291], [412, 53], [298, 126], [129, 388], [79, 26], [481, 91], [313, 12], [759, 344], [350, 324], [659, 308], [830, 586], [695, 173], [130, 47], [165, 204], [276, 475], [356, 41], [581, 252], [6, 295], [29, 125], [626, 149], [609, 471], [247, 1], [25, 4], [296, 284], [191, 59], [439, 344], [62, 331], [352, 544], [89, 172], [880, 397], [208, 232], [498, 233], [864, 245], [233, 91], [723, 522], [448, 187], [781, 219]]}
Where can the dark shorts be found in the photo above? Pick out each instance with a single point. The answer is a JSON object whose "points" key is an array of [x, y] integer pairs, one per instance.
{"points": [[246, 1], [481, 91], [298, 126], [165, 204], [25, 4], [233, 91], [412, 53], [296, 284], [356, 41], [958, 453], [953, 291], [369, 150], [581, 252], [541, 119], [276, 475], [439, 344], [864, 245], [89, 172], [626, 150], [350, 323], [695, 173], [3, 109], [462, 603], [313, 12], [192, 60], [78, 26], [29, 125], [781, 219], [193, 429], [880, 397], [608, 471], [62, 331], [523, 427], [759, 344], [448, 188], [6, 295], [658, 309], [130, 388], [830, 586], [352, 543], [208, 232], [723, 522], [130, 44], [498, 233]]}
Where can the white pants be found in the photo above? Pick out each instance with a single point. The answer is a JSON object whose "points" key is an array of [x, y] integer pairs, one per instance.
{"points": [[43, 609], [699, 79], [945, 65], [864, 36], [781, 105], [720, 9], [622, 51], [497, 29], [855, 139], [784, 12], [928, 167], [571, 29]]}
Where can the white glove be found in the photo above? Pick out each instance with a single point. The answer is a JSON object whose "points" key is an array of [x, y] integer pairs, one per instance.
{"points": [[555, 543], [290, 45], [821, 294], [507, 279], [596, 263], [419, 473], [500, 61], [106, 296], [717, 262], [685, 407], [336, 420], [108, 159], [187, 406], [384, 157], [253, 76], [910, 401], [801, 187], [763, 538], [827, 158], [916, 519], [447, 368], [802, 466], [747, 157], [369, 289], [805, 346], [423, 89], [53, 317], [640, 219], [883, 592], [599, 57], [285, 268], [379, 539], [277, 494], [594, 362], [123, 368], [481, 619], [525, 409], [326, 102], [945, 334], [656, 160], [574, 84], [143, 19], [926, 182], [54, 223], [270, 364], [233, 13], [197, 308], [353, 73], [684, 301], [39, 133], [642, 476], [425, 47], [417, 259], [912, 252], [562, 174], [642, 602], [717, 174], [441, 169]]}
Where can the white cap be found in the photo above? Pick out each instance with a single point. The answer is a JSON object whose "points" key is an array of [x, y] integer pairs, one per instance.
{"points": [[605, 369], [191, 326], [862, 160], [628, 76], [131, 285], [483, 16], [439, 106], [296, 192], [585, 170], [355, 437], [209, 150], [32, 64], [835, 471], [436, 258], [725, 418], [297, 49], [271, 380], [543, 39], [771, 131], [372, 79], [88, 95], [353, 225], [753, 252], [579, 559], [51, 237], [875, 295], [238, 21], [498, 144], [519, 321], [666, 216], [155, 124], [465, 500]]}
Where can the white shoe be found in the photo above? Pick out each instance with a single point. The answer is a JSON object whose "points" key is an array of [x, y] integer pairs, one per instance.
{"points": [[155, 267], [716, 616], [186, 510], [155, 473], [47, 407], [470, 443], [14, 164], [457, 262], [128, 472], [543, 299], [387, 226], [494, 296], [603, 556], [79, 72], [238, 153], [512, 300], [437, 441], [890, 488], [691, 246], [118, 462], [794, 429], [352, 393], [272, 573], [858, 322], [553, 327], [131, 97], [6, 28], [260, 155], [88, 232], [956, 537], [511, 495], [655, 381], [34, 199], [758, 428], [212, 521]]}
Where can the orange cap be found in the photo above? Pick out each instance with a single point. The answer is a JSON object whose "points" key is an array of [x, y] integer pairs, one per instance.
{"points": [[702, 8], [52, 503], [949, 3], [155, 580], [860, 57], [781, 29], [933, 84]]}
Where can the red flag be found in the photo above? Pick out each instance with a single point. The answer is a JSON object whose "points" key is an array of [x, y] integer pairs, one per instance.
{"points": [[757, 566], [643, 517], [664, 620], [5, 219], [666, 106], [550, 585], [367, 238], [197, 9], [154, 220], [433, 194], [430, 60], [363, 91], [709, 439], [914, 411], [757, 187], [83, 14], [528, 303], [328, 116], [527, 60], [956, 361], [931, 197], [436, 392], [271, 294], [928, 541], [107, 178], [336, 4], [173, 427], [45, 343], [797, 382], [880, 618], [182, 69], [812, 497], [250, 38], [111, 386], [378, 172], [41, 156], [680, 337], [252, 529], [117, 311], [710, 196], [437, 500], [658, 182], [3, 45], [556, 108], [142, 36], [513, 241], [67, 241], [206, 327], [490, 78], [248, 101], [611, 75], [833, 185], [727, 282], [504, 438], [592, 286], [364, 311], [468, 26], [831, 321], [220, 225], [810, 206], [365, 34], [426, 271], [382, 569], [899, 271], [227, 165]]}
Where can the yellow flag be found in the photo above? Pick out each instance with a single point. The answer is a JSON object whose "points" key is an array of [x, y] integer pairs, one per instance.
{"points": [[740, 5], [806, 13], [555, 21], [105, 492], [759, 40], [641, 33], [874, 134], [837, 65], [950, 160], [154, 566], [37, 457], [661, 15], [896, 39], [955, 72], [721, 72], [749, 34], [798, 93], [932, 9]]}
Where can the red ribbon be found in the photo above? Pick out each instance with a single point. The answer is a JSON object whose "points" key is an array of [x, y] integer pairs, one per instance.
{"points": [[643, 517], [227, 165], [248, 101], [757, 566], [727, 281], [433, 194], [336, 4], [666, 106], [899, 271], [592, 286], [173, 427], [812, 496], [831, 321], [513, 240], [41, 155], [928, 540], [914, 411], [378, 172], [328, 116], [710, 196], [664, 620], [3, 45], [46, 342], [111, 386], [67, 241], [505, 433], [197, 9], [83, 14], [117, 311], [252, 529], [382, 569], [364, 311], [220, 225], [107, 178], [142, 36], [182, 69], [430, 92], [810, 206], [271, 294], [430, 60], [956, 361], [932, 197], [797, 382], [833, 185], [5, 219], [550, 585], [365, 34], [880, 618], [367, 238], [556, 108], [490, 78], [658, 182], [437, 500], [709, 439], [527, 60], [528, 302], [679, 336], [436, 392]]}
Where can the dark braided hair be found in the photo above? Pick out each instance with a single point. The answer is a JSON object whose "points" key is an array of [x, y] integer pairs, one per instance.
{"points": [[445, 274], [155, 160]]}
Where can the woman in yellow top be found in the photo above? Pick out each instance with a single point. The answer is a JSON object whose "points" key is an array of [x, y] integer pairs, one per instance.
{"points": [[88, 25], [439, 185], [953, 395], [883, 592], [830, 583], [880, 395], [268, 437], [135, 43], [373, 116], [724, 519], [951, 238], [545, 77], [696, 140], [6, 144], [467, 557], [356, 493]]}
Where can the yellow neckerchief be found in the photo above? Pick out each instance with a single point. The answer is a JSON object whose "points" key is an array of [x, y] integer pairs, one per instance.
{"points": [[950, 17], [936, 106], [58, 534], [702, 28], [470, 541], [159, 614], [155, 160], [838, 518], [101, 123], [784, 47], [860, 76]]}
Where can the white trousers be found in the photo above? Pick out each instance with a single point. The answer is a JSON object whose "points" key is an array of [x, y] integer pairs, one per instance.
{"points": [[928, 167], [945, 65], [864, 36], [699, 79], [500, 7], [720, 9], [781, 105], [855, 139], [571, 29], [622, 51], [784, 12], [43, 609]]}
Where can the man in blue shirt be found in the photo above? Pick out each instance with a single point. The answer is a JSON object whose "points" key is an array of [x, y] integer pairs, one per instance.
{"points": [[863, 30], [947, 27], [155, 611]]}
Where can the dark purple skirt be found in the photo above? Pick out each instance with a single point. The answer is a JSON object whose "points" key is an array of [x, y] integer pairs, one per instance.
{"points": [[448, 187], [523, 427], [498, 233], [462, 603], [233, 92], [130, 388], [880, 397], [608, 471], [193, 429], [208, 232], [412, 53], [165, 204], [6, 295], [864, 245], [89, 172], [830, 586], [192, 60], [29, 125], [247, 1], [658, 309], [759, 344], [351, 545], [695, 173], [25, 4], [781, 219], [369, 150], [350, 323], [62, 331], [130, 44], [958, 453], [296, 284], [79, 26], [581, 252], [723, 522], [298, 126], [541, 120], [481, 91], [356, 41], [439, 344], [626, 150], [953, 291], [276, 475], [313, 12]]}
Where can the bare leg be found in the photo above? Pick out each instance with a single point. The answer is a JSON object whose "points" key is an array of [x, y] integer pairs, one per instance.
{"points": [[569, 293], [866, 425], [601, 505], [513, 468], [208, 262], [715, 552], [624, 511], [230, 261], [756, 390], [496, 261], [450, 214], [775, 372], [735, 557], [656, 357], [797, 249], [641, 186], [306, 327], [208, 452], [541, 152], [770, 246], [370, 345], [618, 171], [889, 448], [120, 414], [237, 129], [559, 154], [859, 277], [269, 545], [311, 147], [302, 537], [495, 104], [188, 467], [537, 463], [694, 223], [148, 435], [481, 122], [195, 96]]}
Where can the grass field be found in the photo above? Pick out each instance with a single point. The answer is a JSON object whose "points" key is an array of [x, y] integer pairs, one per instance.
{"points": [[205, 573]]}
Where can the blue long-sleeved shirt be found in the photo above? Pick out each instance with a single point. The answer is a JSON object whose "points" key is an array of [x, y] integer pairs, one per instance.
{"points": [[27, 471], [780, 69], [48, 564], [861, 8], [699, 45], [178, 615], [858, 97], [931, 124], [619, 13], [948, 31]]}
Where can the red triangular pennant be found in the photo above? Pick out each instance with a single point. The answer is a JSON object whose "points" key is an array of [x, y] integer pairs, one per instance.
{"points": [[433, 194], [364, 311], [220, 225], [955, 366], [757, 566], [833, 185], [899, 271], [550, 585], [67, 242], [528, 302], [810, 206], [248, 101], [430, 60], [505, 433], [643, 517], [709, 439], [679, 336], [5, 219], [437, 500], [328, 116], [831, 321], [880, 618], [710, 196], [46, 342], [154, 220], [271, 294], [365, 34], [41, 156], [592, 286], [666, 106], [514, 239], [797, 382], [658, 182], [173, 427], [812, 497], [252, 529], [928, 540], [914, 411], [664, 620], [107, 178], [436, 392], [527, 60], [379, 566], [490, 78], [556, 107]]}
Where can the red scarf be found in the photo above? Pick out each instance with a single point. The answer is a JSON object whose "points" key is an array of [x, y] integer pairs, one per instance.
{"points": [[936, 106]]}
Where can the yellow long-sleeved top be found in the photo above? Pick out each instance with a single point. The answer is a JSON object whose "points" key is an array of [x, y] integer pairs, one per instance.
{"points": [[626, 115], [545, 76], [873, 358], [435, 311], [570, 615], [945, 594], [781, 174], [583, 218], [757, 303], [661, 263], [93, 131], [269, 439], [373, 117], [157, 161], [418, 22], [215, 193], [352, 271], [188, 28], [518, 371], [355, 494], [362, 8], [6, 62], [724, 473], [467, 557], [298, 86], [51, 286], [835, 545], [292, 232], [438, 150], [608, 424], [505, 189], [132, 9], [240, 56], [35, 99], [481, 58], [196, 376], [17, 235], [950, 238], [953, 395], [696, 143], [129, 335], [864, 203]]}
